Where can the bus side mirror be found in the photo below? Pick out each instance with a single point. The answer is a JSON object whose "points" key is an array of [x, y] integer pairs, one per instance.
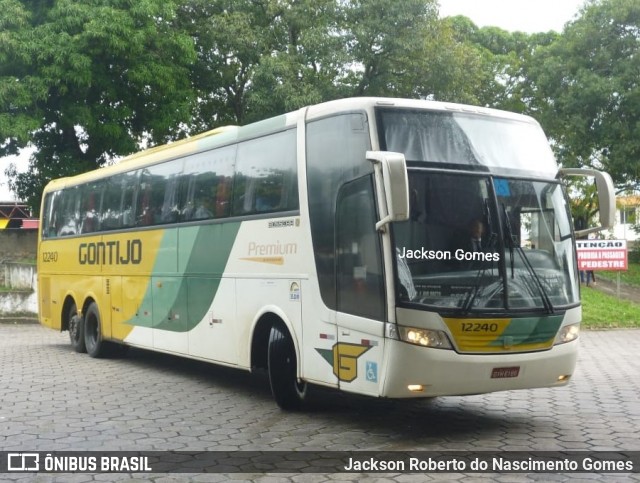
{"points": [[392, 184], [606, 196]]}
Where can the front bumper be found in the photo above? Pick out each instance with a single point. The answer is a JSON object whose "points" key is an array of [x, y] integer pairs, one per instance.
{"points": [[447, 373]]}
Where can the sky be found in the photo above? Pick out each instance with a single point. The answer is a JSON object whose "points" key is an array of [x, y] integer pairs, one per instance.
{"points": [[524, 15]]}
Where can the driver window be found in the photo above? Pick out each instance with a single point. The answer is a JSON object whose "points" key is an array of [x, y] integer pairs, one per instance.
{"points": [[359, 258]]}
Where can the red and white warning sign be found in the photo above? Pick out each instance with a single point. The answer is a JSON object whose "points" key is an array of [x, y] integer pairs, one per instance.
{"points": [[602, 254]]}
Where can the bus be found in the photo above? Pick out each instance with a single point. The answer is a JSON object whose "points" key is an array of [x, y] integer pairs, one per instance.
{"points": [[330, 246]]}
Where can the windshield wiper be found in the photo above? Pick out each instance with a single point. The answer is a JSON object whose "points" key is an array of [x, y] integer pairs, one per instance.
{"points": [[472, 294], [511, 240], [492, 234]]}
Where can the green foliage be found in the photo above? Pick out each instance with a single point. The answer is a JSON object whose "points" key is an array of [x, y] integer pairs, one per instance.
{"points": [[587, 92], [600, 310], [388, 55], [501, 62], [628, 277], [261, 58], [84, 82], [584, 205]]}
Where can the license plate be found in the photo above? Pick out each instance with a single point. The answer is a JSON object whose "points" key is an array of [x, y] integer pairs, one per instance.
{"points": [[504, 372]]}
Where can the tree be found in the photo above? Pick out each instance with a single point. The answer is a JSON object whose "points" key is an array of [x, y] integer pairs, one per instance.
{"points": [[586, 91], [87, 81], [261, 58], [503, 60], [410, 53]]}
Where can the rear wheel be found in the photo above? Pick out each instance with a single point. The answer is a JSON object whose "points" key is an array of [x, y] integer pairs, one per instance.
{"points": [[287, 391], [92, 332], [75, 324]]}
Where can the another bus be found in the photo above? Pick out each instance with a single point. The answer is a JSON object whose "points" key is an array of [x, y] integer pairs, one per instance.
{"points": [[330, 246]]}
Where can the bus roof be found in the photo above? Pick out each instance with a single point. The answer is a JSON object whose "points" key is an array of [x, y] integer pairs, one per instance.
{"points": [[367, 103]]}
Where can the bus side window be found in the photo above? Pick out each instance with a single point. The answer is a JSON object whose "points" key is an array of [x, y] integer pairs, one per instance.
{"points": [[50, 214], [223, 196], [126, 207], [91, 202], [144, 209], [157, 201], [70, 216], [170, 210], [110, 218], [360, 280], [206, 184], [118, 201], [266, 175]]}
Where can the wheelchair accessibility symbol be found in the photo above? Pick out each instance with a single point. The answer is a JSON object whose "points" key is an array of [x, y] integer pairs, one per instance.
{"points": [[372, 371]]}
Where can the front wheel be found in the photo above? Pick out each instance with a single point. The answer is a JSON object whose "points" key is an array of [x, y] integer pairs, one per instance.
{"points": [[93, 332], [287, 391]]}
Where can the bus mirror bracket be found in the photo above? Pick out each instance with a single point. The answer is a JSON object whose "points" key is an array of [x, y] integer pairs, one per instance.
{"points": [[393, 185], [606, 196]]}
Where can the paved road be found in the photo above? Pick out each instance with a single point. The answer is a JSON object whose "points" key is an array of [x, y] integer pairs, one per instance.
{"points": [[53, 399]]}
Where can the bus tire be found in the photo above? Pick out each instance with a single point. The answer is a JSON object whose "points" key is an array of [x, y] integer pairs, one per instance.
{"points": [[287, 391], [75, 325], [93, 332]]}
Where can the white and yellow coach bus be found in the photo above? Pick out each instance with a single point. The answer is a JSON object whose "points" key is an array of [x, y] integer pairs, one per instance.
{"points": [[331, 246]]}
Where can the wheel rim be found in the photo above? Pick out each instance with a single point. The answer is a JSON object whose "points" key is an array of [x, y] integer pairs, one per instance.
{"points": [[299, 386], [73, 329], [91, 330], [74, 333]]}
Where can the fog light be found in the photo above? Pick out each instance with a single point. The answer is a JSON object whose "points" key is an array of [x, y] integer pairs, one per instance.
{"points": [[564, 378], [415, 387]]}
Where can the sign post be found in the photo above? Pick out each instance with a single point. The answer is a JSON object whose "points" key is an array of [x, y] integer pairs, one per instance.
{"points": [[610, 255]]}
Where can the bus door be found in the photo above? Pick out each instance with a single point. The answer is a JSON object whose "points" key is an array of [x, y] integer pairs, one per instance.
{"points": [[360, 289]]}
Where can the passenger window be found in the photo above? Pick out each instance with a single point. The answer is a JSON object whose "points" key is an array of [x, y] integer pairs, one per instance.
{"points": [[91, 195], [157, 200], [50, 214], [206, 184], [266, 175], [69, 212], [118, 201]]}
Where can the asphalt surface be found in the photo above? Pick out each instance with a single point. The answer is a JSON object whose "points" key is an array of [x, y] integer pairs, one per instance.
{"points": [[53, 399]]}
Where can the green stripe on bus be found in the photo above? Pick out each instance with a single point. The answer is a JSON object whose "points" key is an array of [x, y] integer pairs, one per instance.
{"points": [[180, 302], [530, 330]]}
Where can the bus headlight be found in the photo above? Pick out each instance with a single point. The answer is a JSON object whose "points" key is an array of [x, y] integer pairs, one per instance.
{"points": [[425, 337], [567, 334]]}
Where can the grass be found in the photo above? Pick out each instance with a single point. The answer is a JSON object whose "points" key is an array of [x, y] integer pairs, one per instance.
{"points": [[630, 277], [600, 311]]}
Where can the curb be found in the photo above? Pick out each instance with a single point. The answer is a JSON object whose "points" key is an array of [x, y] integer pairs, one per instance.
{"points": [[19, 319]]}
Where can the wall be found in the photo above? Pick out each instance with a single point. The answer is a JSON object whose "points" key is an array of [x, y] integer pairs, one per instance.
{"points": [[18, 303], [22, 279], [20, 276], [18, 244]]}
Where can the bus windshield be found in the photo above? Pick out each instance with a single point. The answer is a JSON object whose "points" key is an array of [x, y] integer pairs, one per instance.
{"points": [[473, 140], [480, 243]]}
